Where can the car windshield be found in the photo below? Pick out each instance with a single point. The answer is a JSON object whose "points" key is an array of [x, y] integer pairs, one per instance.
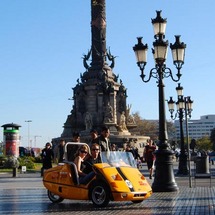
{"points": [[118, 158]]}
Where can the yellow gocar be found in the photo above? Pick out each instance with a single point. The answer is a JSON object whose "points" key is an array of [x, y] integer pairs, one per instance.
{"points": [[117, 179]]}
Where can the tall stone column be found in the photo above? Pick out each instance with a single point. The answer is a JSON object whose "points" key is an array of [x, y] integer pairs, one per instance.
{"points": [[98, 30], [97, 93]]}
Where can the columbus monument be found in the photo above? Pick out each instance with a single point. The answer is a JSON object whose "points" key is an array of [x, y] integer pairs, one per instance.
{"points": [[99, 95]]}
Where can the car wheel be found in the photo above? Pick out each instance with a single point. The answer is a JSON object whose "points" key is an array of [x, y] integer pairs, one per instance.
{"points": [[100, 195], [54, 198], [137, 201]]}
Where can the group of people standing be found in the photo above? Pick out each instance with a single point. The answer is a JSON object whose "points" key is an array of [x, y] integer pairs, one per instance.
{"points": [[87, 155]]}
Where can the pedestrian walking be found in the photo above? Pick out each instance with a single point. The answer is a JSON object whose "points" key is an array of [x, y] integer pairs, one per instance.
{"points": [[149, 156], [47, 157]]}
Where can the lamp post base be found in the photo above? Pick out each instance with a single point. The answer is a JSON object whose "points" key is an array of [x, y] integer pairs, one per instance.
{"points": [[182, 166], [14, 172], [164, 176]]}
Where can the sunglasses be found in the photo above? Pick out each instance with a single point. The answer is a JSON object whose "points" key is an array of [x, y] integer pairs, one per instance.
{"points": [[95, 149], [84, 152]]}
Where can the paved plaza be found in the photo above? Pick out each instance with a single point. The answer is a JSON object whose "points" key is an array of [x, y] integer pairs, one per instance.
{"points": [[25, 194]]}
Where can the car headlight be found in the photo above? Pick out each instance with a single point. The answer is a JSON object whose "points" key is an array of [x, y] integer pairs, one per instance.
{"points": [[129, 184], [116, 177]]}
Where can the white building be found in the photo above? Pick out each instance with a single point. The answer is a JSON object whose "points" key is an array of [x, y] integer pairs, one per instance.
{"points": [[197, 128]]}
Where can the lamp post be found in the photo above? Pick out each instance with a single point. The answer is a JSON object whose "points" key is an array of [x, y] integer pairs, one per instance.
{"points": [[181, 112], [164, 180], [35, 140], [28, 121]]}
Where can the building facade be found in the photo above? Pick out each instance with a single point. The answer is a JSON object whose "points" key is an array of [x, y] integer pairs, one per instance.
{"points": [[197, 128]]}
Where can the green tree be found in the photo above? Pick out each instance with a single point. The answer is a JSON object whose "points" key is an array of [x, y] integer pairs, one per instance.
{"points": [[27, 161], [151, 127], [139, 122], [11, 162], [204, 144], [145, 127]]}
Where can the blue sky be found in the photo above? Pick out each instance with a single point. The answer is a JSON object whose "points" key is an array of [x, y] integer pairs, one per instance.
{"points": [[42, 43]]}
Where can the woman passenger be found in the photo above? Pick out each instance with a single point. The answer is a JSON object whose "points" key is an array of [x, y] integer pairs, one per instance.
{"points": [[79, 162]]}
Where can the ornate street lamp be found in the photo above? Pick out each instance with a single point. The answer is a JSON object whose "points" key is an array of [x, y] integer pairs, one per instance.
{"points": [[164, 180], [184, 108]]}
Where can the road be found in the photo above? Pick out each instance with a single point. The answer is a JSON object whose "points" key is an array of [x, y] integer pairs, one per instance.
{"points": [[26, 194]]}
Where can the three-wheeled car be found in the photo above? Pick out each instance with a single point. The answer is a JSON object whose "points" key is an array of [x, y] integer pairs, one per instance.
{"points": [[117, 179]]}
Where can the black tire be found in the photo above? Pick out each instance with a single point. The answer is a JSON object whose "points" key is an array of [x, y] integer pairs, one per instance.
{"points": [[54, 198], [137, 201], [100, 195]]}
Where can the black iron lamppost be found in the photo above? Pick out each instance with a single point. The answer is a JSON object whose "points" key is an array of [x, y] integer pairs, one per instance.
{"points": [[181, 113], [164, 180]]}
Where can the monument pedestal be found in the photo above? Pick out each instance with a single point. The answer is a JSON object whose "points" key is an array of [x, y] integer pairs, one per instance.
{"points": [[123, 133]]}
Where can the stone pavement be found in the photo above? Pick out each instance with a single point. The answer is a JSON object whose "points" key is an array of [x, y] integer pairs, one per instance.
{"points": [[25, 194]]}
